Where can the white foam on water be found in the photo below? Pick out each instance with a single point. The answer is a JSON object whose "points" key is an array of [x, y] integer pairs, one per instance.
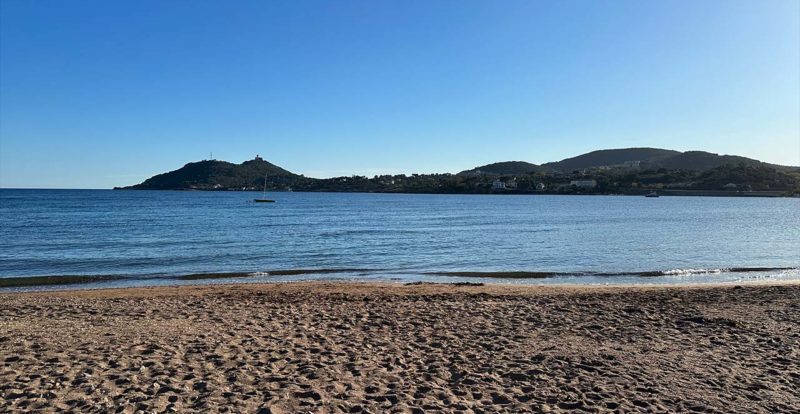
{"points": [[681, 272]]}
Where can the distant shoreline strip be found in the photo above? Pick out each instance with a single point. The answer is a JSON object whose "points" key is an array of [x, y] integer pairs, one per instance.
{"points": [[51, 280]]}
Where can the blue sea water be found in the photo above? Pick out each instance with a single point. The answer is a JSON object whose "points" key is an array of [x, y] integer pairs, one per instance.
{"points": [[155, 237]]}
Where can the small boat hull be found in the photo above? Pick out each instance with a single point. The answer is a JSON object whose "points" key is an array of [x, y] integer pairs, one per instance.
{"points": [[261, 200]]}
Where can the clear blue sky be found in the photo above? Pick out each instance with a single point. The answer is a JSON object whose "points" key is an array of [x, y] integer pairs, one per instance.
{"points": [[101, 93]]}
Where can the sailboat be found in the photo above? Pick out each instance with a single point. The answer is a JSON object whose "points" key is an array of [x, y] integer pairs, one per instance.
{"points": [[264, 199]]}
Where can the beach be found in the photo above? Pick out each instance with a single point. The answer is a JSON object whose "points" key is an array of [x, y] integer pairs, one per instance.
{"points": [[346, 347]]}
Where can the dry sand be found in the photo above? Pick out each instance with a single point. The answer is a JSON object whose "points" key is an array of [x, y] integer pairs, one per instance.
{"points": [[347, 347]]}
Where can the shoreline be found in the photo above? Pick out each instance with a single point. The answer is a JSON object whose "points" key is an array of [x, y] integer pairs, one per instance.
{"points": [[662, 192], [69, 282], [365, 347], [496, 286]]}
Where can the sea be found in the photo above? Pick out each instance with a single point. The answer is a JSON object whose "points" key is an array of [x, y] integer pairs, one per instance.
{"points": [[55, 239]]}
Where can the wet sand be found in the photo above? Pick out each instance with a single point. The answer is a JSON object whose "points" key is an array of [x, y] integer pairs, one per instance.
{"points": [[355, 348]]}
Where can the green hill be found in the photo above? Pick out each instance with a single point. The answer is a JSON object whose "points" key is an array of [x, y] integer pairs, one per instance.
{"points": [[702, 161], [503, 168], [648, 158], [611, 157], [213, 174], [747, 177]]}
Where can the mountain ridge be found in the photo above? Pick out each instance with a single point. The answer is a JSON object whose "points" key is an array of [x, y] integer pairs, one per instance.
{"points": [[612, 171], [637, 157]]}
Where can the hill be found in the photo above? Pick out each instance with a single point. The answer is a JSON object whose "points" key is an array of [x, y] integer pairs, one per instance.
{"points": [[702, 161], [214, 174], [611, 157], [503, 168], [650, 158], [744, 176]]}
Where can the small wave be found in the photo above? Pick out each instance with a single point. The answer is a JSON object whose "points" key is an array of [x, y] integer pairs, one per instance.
{"points": [[650, 273], [680, 272], [32, 281], [283, 272], [203, 276], [15, 282], [683, 272], [294, 272], [501, 275]]}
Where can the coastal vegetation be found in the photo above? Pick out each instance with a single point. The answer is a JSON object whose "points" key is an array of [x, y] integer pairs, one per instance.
{"points": [[620, 171]]}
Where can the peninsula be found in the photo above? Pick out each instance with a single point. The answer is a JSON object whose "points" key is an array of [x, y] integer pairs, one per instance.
{"points": [[615, 171]]}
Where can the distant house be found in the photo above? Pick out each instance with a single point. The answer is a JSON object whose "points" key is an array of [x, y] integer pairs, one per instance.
{"points": [[730, 186], [583, 183], [498, 185]]}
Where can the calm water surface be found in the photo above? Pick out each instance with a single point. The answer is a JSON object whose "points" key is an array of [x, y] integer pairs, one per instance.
{"points": [[152, 237]]}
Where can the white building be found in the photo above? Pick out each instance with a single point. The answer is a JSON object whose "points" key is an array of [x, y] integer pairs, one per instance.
{"points": [[498, 185]]}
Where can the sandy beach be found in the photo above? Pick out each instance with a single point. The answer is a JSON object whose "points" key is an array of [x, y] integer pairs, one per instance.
{"points": [[367, 348]]}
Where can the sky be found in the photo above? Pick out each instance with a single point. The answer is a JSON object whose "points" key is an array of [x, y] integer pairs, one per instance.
{"points": [[96, 94]]}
